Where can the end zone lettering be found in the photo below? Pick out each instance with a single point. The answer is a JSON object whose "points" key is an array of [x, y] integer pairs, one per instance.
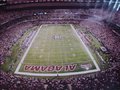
{"points": [[52, 68]]}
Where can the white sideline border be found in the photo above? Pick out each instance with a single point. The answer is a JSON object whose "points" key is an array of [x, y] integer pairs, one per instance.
{"points": [[56, 74], [95, 63], [23, 58]]}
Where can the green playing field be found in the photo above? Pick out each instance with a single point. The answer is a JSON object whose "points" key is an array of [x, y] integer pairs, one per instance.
{"points": [[56, 45]]}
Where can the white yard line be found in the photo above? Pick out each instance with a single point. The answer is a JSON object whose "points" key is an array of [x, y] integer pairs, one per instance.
{"points": [[23, 58], [49, 61], [86, 48], [56, 74]]}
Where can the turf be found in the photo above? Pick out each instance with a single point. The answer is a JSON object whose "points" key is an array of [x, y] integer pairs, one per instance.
{"points": [[56, 45]]}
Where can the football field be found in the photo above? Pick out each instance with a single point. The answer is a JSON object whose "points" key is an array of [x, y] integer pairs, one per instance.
{"points": [[56, 50]]}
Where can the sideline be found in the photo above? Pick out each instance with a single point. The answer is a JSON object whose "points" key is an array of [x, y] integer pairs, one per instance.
{"points": [[23, 58], [79, 36]]}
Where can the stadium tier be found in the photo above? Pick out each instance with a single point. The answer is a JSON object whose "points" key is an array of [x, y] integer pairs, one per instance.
{"points": [[70, 48]]}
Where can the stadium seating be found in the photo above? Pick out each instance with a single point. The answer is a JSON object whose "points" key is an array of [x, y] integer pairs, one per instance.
{"points": [[106, 79]]}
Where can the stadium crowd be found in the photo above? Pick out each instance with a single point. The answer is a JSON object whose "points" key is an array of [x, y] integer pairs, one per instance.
{"points": [[105, 35], [8, 39], [104, 80], [107, 79], [116, 18], [47, 14]]}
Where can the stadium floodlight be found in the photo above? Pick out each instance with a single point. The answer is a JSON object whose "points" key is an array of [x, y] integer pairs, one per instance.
{"points": [[110, 2], [104, 0], [115, 4], [118, 8]]}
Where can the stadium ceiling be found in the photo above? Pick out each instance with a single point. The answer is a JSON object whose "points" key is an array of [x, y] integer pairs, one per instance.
{"points": [[20, 4], [11, 4]]}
